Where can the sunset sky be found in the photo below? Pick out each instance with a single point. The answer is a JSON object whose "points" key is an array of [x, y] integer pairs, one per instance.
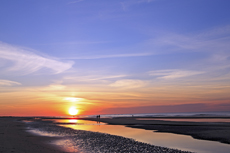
{"points": [[114, 57]]}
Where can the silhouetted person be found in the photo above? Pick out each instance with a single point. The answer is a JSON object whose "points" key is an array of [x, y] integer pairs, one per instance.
{"points": [[98, 118]]}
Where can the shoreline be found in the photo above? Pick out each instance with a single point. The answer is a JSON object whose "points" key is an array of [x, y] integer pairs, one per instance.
{"points": [[17, 139], [14, 137], [213, 131]]}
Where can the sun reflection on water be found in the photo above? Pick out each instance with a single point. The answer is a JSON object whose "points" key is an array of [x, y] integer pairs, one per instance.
{"points": [[73, 121]]}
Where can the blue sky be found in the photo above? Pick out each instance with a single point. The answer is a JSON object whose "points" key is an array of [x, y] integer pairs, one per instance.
{"points": [[125, 53]]}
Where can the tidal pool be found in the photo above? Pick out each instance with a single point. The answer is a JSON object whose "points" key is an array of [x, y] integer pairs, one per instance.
{"points": [[181, 142]]}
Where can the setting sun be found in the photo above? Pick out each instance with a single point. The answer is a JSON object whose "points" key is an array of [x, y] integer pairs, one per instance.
{"points": [[73, 111]]}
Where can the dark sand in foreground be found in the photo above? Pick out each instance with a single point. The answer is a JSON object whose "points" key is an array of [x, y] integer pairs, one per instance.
{"points": [[14, 138]]}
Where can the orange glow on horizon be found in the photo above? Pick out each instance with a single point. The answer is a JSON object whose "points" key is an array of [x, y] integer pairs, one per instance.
{"points": [[48, 104]]}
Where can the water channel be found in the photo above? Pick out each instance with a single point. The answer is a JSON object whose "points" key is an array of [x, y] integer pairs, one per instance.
{"points": [[169, 140]]}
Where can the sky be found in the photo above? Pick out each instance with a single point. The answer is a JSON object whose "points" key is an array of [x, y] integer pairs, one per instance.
{"points": [[114, 57]]}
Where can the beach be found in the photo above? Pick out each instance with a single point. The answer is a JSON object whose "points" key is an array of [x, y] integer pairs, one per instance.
{"points": [[17, 136], [214, 131]]}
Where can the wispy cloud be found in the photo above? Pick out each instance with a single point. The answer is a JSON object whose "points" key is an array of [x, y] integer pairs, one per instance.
{"points": [[129, 83], [26, 61], [216, 40], [111, 56], [173, 74], [8, 83], [211, 47], [217, 32], [54, 87], [93, 79], [77, 43]]}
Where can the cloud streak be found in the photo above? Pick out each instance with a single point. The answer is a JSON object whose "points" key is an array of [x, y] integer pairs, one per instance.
{"points": [[8, 83], [111, 56], [173, 73], [210, 46], [129, 83], [213, 41], [26, 62]]}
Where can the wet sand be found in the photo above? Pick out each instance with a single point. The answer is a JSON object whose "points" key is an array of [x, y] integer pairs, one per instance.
{"points": [[214, 131], [14, 138], [96, 142]]}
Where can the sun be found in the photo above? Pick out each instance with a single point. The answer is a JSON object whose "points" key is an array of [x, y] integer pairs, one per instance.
{"points": [[73, 110]]}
